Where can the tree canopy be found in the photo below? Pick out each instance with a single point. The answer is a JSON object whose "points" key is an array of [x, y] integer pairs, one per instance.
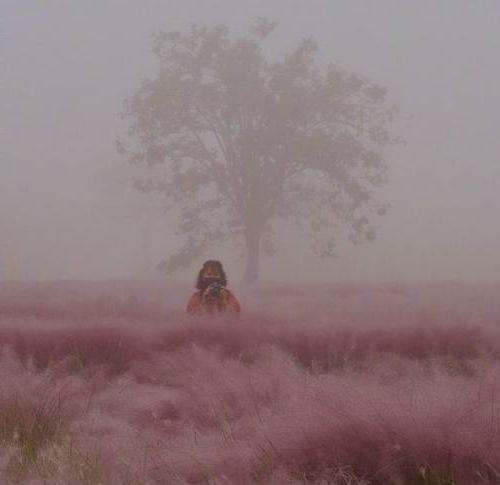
{"points": [[236, 141]]}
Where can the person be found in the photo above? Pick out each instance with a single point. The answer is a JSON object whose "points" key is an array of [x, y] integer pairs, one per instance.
{"points": [[212, 297]]}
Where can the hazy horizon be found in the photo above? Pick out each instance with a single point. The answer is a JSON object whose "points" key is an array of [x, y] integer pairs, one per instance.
{"points": [[68, 209]]}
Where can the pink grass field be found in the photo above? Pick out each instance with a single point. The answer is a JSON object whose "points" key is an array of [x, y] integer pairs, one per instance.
{"points": [[111, 383]]}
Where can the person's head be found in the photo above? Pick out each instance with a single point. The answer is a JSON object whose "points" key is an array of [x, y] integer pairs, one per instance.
{"points": [[211, 272]]}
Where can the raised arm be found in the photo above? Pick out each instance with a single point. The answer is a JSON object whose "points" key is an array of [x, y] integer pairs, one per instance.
{"points": [[194, 304], [231, 303]]}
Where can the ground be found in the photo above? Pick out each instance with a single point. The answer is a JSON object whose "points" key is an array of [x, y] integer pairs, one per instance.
{"points": [[112, 383]]}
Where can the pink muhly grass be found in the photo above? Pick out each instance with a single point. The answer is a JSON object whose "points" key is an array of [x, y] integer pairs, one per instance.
{"points": [[345, 385], [80, 345], [35, 409], [441, 429]]}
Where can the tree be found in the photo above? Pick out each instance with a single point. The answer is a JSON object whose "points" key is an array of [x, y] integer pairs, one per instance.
{"points": [[237, 142]]}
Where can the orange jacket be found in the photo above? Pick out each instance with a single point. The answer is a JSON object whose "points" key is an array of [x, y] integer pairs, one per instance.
{"points": [[227, 304]]}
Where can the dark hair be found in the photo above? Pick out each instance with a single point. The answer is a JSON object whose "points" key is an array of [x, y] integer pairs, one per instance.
{"points": [[211, 262]]}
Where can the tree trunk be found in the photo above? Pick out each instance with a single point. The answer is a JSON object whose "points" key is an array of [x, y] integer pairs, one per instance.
{"points": [[253, 255]]}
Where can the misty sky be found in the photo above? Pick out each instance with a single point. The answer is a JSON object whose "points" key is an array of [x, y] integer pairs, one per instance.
{"points": [[66, 67]]}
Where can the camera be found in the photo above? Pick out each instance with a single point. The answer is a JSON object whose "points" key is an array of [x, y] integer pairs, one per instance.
{"points": [[214, 290]]}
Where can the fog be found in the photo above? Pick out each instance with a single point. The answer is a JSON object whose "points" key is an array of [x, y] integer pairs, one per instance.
{"points": [[68, 210]]}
